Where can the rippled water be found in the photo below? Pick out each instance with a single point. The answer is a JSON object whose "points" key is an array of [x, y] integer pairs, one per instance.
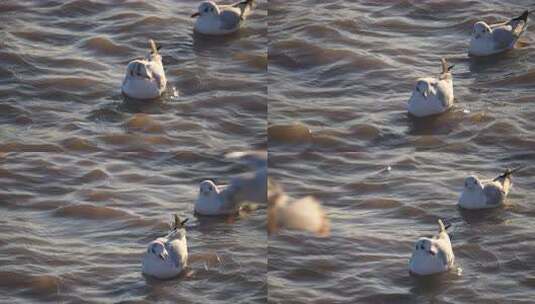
{"points": [[340, 76], [103, 175], [108, 173], [74, 229], [63, 62]]}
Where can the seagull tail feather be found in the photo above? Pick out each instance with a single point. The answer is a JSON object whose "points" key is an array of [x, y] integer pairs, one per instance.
{"points": [[153, 48], [523, 17], [507, 174], [441, 227], [243, 6], [445, 67]]}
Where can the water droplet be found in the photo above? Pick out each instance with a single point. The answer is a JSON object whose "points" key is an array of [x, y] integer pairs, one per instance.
{"points": [[175, 93]]}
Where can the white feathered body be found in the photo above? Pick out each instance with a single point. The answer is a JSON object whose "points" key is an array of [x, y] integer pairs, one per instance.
{"points": [[228, 19], [496, 38], [215, 203], [424, 263], [438, 100], [175, 262], [139, 87], [490, 194]]}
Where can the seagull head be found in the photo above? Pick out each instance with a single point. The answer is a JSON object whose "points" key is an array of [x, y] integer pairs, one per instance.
{"points": [[423, 88], [425, 245], [481, 29], [207, 8], [472, 183], [208, 188], [157, 249], [137, 68]]}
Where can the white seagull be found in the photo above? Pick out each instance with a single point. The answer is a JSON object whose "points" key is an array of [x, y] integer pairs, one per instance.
{"points": [[496, 38], [167, 256], [432, 95], [226, 199], [145, 78], [213, 19], [487, 194], [305, 214], [432, 255]]}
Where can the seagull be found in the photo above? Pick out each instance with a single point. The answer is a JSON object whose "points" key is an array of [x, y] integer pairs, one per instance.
{"points": [[432, 255], [305, 214], [496, 38], [145, 78], [216, 199], [431, 95], [167, 256], [213, 19], [489, 194]]}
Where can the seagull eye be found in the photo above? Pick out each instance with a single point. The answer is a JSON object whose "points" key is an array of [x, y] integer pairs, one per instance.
{"points": [[206, 10], [422, 247]]}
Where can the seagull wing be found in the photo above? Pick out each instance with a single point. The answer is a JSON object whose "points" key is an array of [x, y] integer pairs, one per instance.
{"points": [[230, 19], [494, 193], [255, 159], [444, 91], [503, 37], [174, 251]]}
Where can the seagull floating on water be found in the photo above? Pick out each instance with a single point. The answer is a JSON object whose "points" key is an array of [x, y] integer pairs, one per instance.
{"points": [[213, 19], [487, 194], [432, 95], [145, 78], [167, 256], [226, 199], [432, 255], [496, 38]]}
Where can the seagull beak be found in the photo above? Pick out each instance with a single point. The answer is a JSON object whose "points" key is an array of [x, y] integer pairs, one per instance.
{"points": [[162, 256], [425, 93], [195, 15], [433, 251]]}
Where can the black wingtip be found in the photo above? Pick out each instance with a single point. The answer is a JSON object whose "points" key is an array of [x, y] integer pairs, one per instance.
{"points": [[177, 222], [523, 17], [446, 222], [508, 172]]}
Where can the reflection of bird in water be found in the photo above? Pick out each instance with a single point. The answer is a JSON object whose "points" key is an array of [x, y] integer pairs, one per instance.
{"points": [[304, 214]]}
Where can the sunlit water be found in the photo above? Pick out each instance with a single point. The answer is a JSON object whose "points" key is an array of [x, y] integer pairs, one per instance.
{"points": [[108, 173], [340, 76]]}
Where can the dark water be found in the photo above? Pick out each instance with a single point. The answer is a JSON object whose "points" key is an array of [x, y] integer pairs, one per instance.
{"points": [[63, 62], [88, 178], [108, 173], [340, 76]]}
